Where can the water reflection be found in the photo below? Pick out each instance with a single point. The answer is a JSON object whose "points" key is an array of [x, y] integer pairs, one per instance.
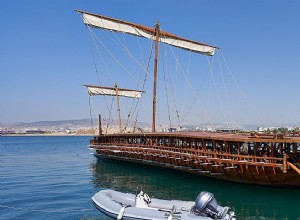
{"points": [[249, 202]]}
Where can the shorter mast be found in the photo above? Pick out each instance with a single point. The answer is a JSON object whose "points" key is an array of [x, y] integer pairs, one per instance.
{"points": [[118, 106], [99, 124]]}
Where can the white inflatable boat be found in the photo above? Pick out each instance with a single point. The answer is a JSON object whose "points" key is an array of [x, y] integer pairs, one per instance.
{"points": [[128, 206]]}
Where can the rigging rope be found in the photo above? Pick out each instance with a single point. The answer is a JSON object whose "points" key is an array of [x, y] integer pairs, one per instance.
{"points": [[91, 114], [136, 109], [184, 74], [113, 56], [96, 69], [144, 82], [166, 90], [109, 117], [216, 88], [208, 99], [240, 90], [195, 98], [224, 85], [172, 91], [185, 84], [139, 80]]}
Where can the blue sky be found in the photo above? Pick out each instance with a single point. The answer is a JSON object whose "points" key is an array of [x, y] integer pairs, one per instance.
{"points": [[45, 56]]}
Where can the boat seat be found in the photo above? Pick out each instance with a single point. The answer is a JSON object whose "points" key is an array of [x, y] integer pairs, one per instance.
{"points": [[160, 205], [123, 200]]}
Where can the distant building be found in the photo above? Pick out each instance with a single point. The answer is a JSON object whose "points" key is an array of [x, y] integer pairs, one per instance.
{"points": [[35, 132], [172, 129], [5, 131], [229, 127]]}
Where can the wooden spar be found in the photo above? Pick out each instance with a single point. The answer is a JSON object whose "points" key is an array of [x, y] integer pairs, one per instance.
{"points": [[294, 167], [120, 89], [155, 76], [118, 106]]}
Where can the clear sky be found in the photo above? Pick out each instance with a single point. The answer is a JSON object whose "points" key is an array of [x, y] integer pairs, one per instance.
{"points": [[45, 57]]}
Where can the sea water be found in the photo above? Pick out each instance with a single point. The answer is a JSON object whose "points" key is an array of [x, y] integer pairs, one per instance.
{"points": [[47, 177]]}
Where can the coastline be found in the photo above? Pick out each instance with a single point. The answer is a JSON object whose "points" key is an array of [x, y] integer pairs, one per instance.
{"points": [[40, 135]]}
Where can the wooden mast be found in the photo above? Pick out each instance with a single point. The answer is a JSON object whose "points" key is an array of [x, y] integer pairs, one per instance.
{"points": [[118, 106], [155, 76], [100, 126]]}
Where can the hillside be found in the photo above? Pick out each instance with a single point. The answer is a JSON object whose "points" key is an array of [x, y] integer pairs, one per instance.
{"points": [[64, 124]]}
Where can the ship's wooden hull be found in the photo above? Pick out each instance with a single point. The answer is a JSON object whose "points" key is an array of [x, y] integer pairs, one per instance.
{"points": [[241, 168]]}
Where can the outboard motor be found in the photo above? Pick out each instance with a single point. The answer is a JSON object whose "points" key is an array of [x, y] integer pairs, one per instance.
{"points": [[206, 205]]}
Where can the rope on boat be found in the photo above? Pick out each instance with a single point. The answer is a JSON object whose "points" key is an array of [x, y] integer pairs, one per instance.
{"points": [[166, 91], [224, 85], [91, 114], [136, 109], [249, 106], [213, 81], [48, 211]]}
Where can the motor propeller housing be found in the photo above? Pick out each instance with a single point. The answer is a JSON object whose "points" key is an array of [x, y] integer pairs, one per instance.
{"points": [[207, 205]]}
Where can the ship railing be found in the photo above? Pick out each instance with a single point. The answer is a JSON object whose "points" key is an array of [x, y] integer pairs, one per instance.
{"points": [[198, 155]]}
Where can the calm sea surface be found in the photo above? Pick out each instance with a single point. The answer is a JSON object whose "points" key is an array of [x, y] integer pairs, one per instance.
{"points": [[55, 178]]}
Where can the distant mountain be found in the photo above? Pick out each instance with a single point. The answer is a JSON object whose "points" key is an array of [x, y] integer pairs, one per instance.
{"points": [[50, 124], [66, 124], [87, 124]]}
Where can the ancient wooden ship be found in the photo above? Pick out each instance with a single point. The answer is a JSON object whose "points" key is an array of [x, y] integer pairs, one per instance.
{"points": [[270, 160]]}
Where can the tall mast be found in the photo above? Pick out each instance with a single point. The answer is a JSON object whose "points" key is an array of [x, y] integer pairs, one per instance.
{"points": [[155, 76]]}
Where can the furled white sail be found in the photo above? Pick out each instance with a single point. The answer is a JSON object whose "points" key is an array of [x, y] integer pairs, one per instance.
{"points": [[97, 90], [147, 32]]}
